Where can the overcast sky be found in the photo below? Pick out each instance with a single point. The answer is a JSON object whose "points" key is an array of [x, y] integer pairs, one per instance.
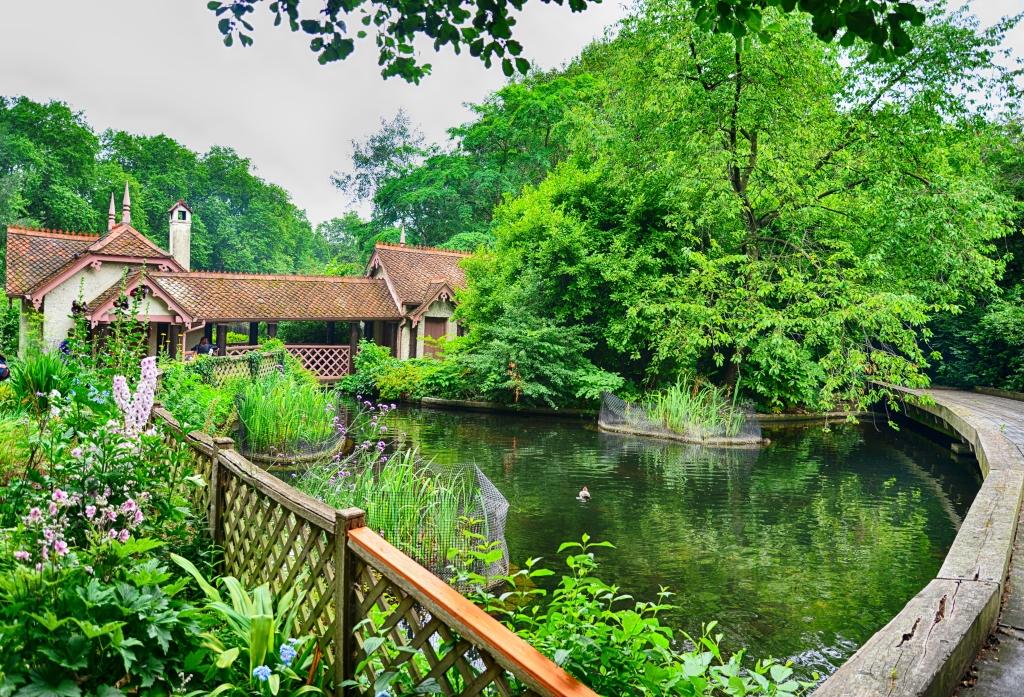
{"points": [[158, 66]]}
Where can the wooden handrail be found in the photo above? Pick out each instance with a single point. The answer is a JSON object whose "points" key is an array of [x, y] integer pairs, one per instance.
{"points": [[472, 623]]}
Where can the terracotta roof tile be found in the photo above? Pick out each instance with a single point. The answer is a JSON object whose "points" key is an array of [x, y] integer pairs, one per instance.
{"points": [[129, 242], [35, 255], [413, 269], [237, 297]]}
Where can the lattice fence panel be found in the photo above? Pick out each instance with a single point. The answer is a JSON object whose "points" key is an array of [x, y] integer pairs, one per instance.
{"points": [[326, 362], [428, 655], [265, 542], [239, 349]]}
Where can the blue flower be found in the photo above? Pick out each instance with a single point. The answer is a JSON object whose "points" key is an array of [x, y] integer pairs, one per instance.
{"points": [[261, 672], [287, 654]]}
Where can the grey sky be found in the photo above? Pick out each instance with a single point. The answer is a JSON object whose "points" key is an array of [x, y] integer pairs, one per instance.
{"points": [[158, 66]]}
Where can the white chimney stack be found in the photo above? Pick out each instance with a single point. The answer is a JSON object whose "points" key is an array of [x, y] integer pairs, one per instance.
{"points": [[180, 237]]}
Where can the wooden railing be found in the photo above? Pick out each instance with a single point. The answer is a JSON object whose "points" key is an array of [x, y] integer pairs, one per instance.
{"points": [[356, 588], [329, 362]]}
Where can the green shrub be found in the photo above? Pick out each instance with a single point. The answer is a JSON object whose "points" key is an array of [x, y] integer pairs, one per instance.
{"points": [[14, 445], [371, 362], [615, 644], [198, 405], [35, 377], [280, 414]]}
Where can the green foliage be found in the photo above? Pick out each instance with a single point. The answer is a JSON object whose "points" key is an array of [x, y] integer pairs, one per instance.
{"points": [[371, 362], [696, 409], [280, 414], [622, 647], [109, 625], [188, 393], [486, 29], [794, 213], [36, 377], [522, 358], [250, 649], [9, 328]]}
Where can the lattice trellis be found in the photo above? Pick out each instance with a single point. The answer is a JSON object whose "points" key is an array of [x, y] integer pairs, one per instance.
{"points": [[326, 362], [274, 534], [427, 655]]}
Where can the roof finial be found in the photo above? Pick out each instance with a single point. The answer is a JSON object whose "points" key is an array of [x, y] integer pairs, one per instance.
{"points": [[126, 207], [110, 215], [401, 237]]}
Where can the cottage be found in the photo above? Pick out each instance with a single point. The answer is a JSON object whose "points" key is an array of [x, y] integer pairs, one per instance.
{"points": [[406, 296]]}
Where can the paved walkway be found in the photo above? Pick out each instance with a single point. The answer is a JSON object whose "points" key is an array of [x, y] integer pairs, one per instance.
{"points": [[1000, 667]]}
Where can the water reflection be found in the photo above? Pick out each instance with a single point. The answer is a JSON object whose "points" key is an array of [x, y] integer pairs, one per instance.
{"points": [[801, 549]]}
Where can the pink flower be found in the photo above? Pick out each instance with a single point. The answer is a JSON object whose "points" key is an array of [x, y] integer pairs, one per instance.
{"points": [[90, 511], [138, 516], [60, 496], [53, 508], [111, 515], [76, 453], [34, 515], [128, 506], [124, 535], [60, 547], [112, 534], [22, 555]]}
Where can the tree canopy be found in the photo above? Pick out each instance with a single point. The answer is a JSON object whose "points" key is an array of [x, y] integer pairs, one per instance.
{"points": [[794, 217], [485, 27]]}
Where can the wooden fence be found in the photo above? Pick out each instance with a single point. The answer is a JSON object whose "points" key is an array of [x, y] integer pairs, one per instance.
{"points": [[329, 362], [356, 588]]}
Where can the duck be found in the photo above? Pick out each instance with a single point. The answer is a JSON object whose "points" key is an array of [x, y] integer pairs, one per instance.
{"points": [[584, 494]]}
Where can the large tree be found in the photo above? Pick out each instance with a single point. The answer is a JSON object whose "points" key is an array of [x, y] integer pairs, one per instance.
{"points": [[485, 27], [788, 217]]}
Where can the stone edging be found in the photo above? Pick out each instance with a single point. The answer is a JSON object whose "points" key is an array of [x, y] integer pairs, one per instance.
{"points": [[475, 405], [928, 646], [996, 392], [716, 442]]}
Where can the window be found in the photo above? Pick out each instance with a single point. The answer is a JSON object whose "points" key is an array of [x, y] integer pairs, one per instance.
{"points": [[181, 214]]}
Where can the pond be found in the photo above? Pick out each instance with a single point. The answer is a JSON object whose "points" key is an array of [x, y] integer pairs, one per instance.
{"points": [[801, 549]]}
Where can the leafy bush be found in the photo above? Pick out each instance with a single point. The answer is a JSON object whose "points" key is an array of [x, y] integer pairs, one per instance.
{"points": [[38, 375], [522, 358], [14, 447], [371, 362], [696, 409], [108, 621], [616, 645], [249, 649], [195, 403], [280, 414]]}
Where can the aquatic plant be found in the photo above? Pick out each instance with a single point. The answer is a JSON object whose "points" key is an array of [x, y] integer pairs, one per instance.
{"points": [[421, 509], [280, 414], [696, 409]]}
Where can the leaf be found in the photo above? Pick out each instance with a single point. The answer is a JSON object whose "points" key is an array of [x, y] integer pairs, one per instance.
{"points": [[226, 658]]}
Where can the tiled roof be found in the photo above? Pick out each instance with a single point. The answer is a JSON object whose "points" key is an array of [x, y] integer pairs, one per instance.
{"points": [[35, 255], [225, 297], [129, 242], [412, 269]]}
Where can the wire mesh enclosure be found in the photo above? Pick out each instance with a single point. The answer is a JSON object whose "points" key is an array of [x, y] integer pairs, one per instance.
{"points": [[735, 426]]}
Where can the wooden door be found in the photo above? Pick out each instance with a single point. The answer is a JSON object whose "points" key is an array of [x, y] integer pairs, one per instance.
{"points": [[433, 327]]}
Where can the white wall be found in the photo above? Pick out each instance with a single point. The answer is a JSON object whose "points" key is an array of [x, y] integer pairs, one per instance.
{"points": [[57, 304], [439, 308]]}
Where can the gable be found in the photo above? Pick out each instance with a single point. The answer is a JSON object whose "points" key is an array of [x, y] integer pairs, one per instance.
{"points": [[412, 271]]}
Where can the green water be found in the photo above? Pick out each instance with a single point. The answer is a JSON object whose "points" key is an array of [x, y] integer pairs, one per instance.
{"points": [[801, 549]]}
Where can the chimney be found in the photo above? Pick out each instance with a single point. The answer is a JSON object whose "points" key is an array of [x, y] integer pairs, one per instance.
{"points": [[126, 207], [180, 237], [110, 215]]}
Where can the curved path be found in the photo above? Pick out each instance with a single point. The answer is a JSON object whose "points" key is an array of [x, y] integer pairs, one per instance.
{"points": [[927, 648]]}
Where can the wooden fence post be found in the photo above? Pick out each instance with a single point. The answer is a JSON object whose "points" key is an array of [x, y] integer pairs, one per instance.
{"points": [[344, 599], [217, 489]]}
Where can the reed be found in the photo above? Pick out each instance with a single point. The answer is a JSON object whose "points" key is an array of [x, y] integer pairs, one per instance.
{"points": [[281, 414], [420, 509], [696, 409]]}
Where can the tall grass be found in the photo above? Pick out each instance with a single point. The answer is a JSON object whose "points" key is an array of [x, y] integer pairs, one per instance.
{"points": [[696, 409], [420, 509], [281, 414]]}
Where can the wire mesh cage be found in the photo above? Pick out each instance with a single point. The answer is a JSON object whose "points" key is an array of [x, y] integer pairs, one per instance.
{"points": [[734, 425]]}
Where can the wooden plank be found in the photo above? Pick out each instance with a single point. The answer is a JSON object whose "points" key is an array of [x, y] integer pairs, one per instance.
{"points": [[470, 621], [344, 598]]}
